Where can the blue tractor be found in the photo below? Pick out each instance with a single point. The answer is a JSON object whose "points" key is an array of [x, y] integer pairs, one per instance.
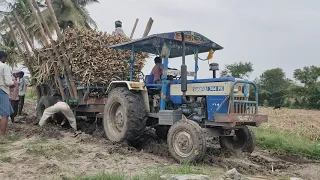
{"points": [[184, 112]]}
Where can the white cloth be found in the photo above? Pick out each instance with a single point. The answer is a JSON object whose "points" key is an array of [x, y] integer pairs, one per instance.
{"points": [[119, 32], [23, 83], [62, 107], [5, 77]]}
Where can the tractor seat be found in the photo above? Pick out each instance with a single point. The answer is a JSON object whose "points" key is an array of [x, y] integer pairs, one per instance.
{"points": [[150, 84], [149, 79]]}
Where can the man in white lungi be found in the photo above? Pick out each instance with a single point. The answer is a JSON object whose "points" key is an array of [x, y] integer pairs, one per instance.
{"points": [[62, 107]]}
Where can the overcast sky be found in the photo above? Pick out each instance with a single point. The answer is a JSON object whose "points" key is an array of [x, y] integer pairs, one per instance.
{"points": [[270, 34]]}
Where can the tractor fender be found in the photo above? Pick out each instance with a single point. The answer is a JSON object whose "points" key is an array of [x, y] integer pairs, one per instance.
{"points": [[132, 86]]}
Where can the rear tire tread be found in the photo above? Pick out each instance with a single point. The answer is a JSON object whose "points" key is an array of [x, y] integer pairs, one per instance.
{"points": [[134, 110]]}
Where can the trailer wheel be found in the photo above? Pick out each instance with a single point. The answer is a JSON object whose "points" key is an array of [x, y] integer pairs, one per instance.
{"points": [[244, 140], [124, 115], [186, 142], [162, 131], [44, 102]]}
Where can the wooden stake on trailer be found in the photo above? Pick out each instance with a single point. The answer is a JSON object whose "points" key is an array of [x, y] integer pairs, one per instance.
{"points": [[148, 27], [22, 29], [134, 28], [14, 35], [47, 43], [66, 62], [47, 30]]}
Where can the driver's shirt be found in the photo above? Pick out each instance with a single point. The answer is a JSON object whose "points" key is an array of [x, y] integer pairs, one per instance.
{"points": [[157, 72]]}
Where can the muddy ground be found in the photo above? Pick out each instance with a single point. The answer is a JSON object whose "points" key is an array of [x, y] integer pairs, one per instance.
{"points": [[54, 152]]}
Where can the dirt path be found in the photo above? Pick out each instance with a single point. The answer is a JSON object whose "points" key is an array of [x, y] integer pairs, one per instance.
{"points": [[68, 156], [52, 152]]}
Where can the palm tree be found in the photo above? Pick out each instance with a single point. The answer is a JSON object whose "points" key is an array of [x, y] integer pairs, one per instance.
{"points": [[7, 45], [72, 13]]}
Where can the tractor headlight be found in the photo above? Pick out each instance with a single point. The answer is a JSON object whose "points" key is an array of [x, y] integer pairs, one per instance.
{"points": [[237, 89]]}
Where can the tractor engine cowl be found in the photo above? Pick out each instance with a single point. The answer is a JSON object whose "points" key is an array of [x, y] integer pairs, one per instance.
{"points": [[195, 109]]}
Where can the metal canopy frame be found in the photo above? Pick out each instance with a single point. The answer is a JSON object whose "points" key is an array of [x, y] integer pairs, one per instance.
{"points": [[150, 43], [171, 45]]}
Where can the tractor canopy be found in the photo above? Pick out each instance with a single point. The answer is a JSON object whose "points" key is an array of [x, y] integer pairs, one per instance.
{"points": [[153, 44]]}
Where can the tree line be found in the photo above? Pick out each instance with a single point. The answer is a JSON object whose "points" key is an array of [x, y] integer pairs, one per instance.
{"points": [[275, 89]]}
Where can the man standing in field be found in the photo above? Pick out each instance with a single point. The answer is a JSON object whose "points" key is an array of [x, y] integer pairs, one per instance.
{"points": [[5, 84], [23, 84], [14, 95]]}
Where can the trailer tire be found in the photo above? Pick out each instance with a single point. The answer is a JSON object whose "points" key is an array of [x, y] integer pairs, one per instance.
{"points": [[43, 103], [186, 133], [246, 141], [124, 115]]}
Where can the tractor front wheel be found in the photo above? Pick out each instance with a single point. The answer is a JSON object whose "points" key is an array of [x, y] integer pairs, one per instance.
{"points": [[186, 142], [243, 140], [124, 115]]}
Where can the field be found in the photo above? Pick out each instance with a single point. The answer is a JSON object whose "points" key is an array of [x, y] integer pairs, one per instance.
{"points": [[288, 146]]}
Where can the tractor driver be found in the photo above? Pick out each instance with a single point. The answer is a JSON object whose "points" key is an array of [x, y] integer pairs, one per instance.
{"points": [[157, 70]]}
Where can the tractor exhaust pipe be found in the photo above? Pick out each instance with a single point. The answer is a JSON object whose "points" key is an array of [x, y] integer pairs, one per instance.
{"points": [[183, 70], [214, 67]]}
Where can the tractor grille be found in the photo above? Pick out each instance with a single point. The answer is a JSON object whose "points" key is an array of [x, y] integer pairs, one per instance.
{"points": [[240, 106]]}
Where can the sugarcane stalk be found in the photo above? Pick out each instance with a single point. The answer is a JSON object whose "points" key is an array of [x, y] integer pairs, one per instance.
{"points": [[25, 42], [134, 28], [47, 30], [66, 62], [54, 19], [47, 43], [14, 36], [148, 27], [22, 29]]}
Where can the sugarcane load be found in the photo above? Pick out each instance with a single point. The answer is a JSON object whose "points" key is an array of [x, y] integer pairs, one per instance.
{"points": [[91, 60]]}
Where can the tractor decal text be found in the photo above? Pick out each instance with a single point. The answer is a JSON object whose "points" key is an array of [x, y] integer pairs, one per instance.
{"points": [[208, 88], [188, 37], [246, 118]]}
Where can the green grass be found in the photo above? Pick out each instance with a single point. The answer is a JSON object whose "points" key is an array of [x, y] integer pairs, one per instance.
{"points": [[105, 176], [31, 93], [3, 150], [5, 159], [153, 174], [12, 137], [58, 151], [287, 143]]}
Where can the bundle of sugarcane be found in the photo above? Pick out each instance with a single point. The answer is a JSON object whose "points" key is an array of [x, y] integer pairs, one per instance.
{"points": [[91, 60]]}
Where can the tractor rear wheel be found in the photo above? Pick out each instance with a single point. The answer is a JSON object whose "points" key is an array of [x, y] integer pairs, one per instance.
{"points": [[243, 140], [186, 142], [124, 115]]}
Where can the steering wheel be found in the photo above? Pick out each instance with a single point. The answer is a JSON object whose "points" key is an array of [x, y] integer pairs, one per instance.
{"points": [[172, 68]]}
